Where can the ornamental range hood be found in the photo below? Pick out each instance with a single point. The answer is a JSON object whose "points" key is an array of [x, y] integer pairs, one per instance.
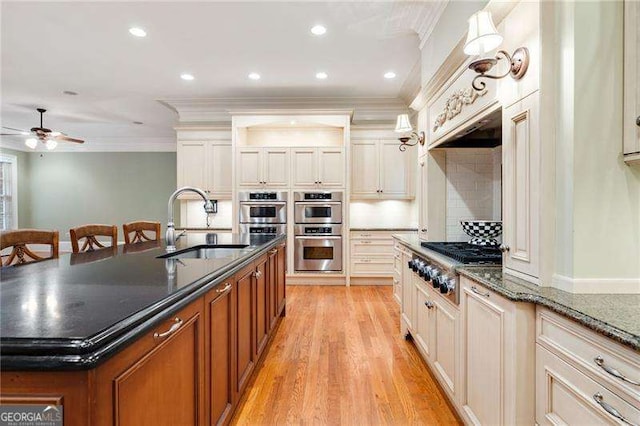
{"points": [[484, 133]]}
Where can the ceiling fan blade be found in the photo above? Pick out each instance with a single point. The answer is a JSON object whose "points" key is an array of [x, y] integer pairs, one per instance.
{"points": [[68, 139], [14, 129], [10, 134]]}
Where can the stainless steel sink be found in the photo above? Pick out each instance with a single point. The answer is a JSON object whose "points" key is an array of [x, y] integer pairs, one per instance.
{"points": [[209, 252]]}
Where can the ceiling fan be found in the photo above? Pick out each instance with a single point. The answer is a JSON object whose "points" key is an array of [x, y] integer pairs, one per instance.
{"points": [[49, 137]]}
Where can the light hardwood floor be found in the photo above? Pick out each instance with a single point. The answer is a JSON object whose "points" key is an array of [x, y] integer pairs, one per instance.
{"points": [[338, 359]]}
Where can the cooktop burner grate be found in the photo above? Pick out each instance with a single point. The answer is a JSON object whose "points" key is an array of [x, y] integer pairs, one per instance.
{"points": [[466, 253]]}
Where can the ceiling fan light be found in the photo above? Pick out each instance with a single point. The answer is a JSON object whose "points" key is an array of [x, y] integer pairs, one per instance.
{"points": [[54, 134], [51, 144], [31, 143]]}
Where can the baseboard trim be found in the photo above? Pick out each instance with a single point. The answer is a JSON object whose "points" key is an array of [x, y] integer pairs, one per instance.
{"points": [[596, 285], [301, 279]]}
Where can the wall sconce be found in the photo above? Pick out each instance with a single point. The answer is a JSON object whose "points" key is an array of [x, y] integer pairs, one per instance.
{"points": [[482, 38], [402, 126]]}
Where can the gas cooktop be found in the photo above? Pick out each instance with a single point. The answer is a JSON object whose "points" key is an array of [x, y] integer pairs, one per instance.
{"points": [[466, 253]]}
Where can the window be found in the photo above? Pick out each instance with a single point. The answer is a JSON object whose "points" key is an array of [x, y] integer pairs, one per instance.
{"points": [[8, 192]]}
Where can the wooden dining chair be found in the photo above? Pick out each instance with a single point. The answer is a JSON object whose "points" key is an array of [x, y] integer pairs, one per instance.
{"points": [[89, 233], [18, 239], [138, 228]]}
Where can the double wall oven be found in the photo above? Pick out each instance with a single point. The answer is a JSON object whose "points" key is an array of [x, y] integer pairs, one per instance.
{"points": [[263, 212], [318, 232]]}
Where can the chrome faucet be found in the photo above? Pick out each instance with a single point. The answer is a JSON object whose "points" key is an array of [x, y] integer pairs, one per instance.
{"points": [[171, 236]]}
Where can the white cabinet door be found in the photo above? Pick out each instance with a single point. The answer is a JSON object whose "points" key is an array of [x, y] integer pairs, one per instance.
{"points": [[445, 353], [408, 292], [396, 170], [483, 358], [219, 166], [276, 167], [331, 168], [422, 199], [191, 164], [521, 185], [423, 318], [305, 164], [631, 78], [249, 172], [364, 170]]}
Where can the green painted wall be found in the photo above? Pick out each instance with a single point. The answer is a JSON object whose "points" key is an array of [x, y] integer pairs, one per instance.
{"points": [[23, 158], [70, 189]]}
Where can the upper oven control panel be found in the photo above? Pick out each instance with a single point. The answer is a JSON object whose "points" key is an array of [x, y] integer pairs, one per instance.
{"points": [[318, 196], [258, 196]]}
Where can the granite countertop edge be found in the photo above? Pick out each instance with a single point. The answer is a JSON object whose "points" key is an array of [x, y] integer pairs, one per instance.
{"points": [[619, 335], [98, 348]]}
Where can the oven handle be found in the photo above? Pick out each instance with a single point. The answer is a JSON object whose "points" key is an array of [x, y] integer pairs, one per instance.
{"points": [[318, 237]]}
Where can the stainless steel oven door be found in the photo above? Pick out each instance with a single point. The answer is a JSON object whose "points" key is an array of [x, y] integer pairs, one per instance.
{"points": [[318, 212], [253, 212], [318, 254]]}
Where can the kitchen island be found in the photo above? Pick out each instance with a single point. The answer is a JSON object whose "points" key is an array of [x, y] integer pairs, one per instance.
{"points": [[131, 336]]}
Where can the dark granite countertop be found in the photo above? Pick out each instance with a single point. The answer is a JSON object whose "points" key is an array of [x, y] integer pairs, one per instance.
{"points": [[409, 229], [614, 315], [76, 311]]}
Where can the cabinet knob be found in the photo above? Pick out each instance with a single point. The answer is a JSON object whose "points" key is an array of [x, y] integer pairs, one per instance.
{"points": [[504, 248], [423, 230], [638, 121]]}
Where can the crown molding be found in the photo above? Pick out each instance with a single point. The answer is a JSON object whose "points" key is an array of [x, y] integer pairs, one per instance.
{"points": [[429, 19], [220, 110]]}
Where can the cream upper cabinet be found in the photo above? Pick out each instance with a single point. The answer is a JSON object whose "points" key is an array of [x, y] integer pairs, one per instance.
{"points": [[498, 360], [205, 165], [275, 167], [631, 78], [364, 170], [331, 169], [318, 167], [379, 170], [263, 167], [220, 169], [521, 186]]}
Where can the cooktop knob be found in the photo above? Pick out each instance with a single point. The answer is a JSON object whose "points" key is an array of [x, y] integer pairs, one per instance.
{"points": [[447, 284]]}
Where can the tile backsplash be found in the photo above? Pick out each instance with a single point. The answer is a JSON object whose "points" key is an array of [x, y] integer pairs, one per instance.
{"points": [[473, 188], [192, 215]]}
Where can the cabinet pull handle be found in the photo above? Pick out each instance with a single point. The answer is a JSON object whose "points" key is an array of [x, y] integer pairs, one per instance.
{"points": [[177, 323], [428, 304], [476, 291], [504, 248], [610, 409], [226, 288], [612, 371], [273, 251], [638, 121], [257, 274], [366, 242]]}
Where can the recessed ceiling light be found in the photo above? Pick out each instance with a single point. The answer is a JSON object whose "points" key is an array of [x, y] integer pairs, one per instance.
{"points": [[318, 30], [292, 122], [70, 93], [138, 32], [389, 75], [138, 122], [254, 76], [187, 77], [321, 75]]}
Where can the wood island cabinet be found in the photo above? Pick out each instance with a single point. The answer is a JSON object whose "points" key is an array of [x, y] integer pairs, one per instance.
{"points": [[190, 369]]}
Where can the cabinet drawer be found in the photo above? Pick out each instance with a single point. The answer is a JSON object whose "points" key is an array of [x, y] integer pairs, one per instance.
{"points": [[371, 247], [566, 396], [589, 351], [371, 267]]}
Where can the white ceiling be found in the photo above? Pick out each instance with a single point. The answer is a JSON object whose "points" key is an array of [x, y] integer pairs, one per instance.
{"points": [[50, 47]]}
